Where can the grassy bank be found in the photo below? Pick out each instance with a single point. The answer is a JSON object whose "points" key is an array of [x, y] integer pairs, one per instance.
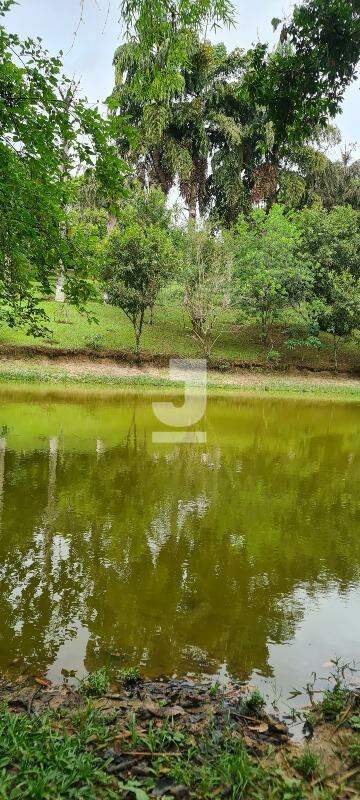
{"points": [[73, 376], [170, 335], [171, 739]]}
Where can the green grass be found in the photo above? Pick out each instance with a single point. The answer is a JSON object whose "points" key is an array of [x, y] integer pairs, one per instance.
{"points": [[216, 763], [307, 764], [96, 684], [129, 675], [30, 379], [354, 752], [68, 756], [38, 761], [171, 334], [334, 702]]}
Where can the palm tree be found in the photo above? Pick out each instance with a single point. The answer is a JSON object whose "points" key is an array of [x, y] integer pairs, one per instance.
{"points": [[176, 137]]}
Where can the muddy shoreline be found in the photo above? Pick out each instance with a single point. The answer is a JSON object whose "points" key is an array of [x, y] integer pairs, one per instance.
{"points": [[146, 729]]}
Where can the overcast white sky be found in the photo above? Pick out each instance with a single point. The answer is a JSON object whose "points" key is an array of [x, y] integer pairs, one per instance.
{"points": [[89, 56]]}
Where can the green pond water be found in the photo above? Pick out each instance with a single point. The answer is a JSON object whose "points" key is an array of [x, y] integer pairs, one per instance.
{"points": [[241, 555]]}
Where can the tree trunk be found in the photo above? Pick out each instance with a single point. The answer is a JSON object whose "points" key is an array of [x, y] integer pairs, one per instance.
{"points": [[137, 346], [192, 210], [335, 353], [111, 223], [59, 291]]}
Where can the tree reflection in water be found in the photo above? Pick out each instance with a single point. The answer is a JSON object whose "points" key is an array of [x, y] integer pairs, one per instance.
{"points": [[185, 557]]}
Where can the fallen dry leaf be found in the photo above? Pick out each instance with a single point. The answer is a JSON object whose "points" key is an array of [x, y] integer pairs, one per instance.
{"points": [[259, 726], [174, 711], [43, 682]]}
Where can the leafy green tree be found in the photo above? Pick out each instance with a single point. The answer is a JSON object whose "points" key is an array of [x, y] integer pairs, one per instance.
{"points": [[161, 37], [339, 183], [45, 131], [242, 113], [87, 232], [337, 311], [176, 136], [330, 242], [207, 276], [308, 175], [271, 274], [140, 258]]}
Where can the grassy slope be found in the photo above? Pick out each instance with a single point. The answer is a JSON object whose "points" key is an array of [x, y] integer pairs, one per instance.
{"points": [[171, 335]]}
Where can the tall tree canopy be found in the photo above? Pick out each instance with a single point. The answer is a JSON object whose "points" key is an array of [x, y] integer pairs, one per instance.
{"points": [[46, 132], [161, 33], [241, 112]]}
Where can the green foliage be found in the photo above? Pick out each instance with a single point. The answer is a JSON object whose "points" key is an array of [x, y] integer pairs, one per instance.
{"points": [[307, 764], [86, 233], [166, 31], [270, 274], [333, 702], [207, 277], [139, 258], [90, 724], [337, 312], [254, 115], [129, 675], [330, 241], [38, 761], [217, 761], [96, 684], [354, 751], [226, 764], [255, 702], [310, 177], [46, 131], [161, 738], [177, 135]]}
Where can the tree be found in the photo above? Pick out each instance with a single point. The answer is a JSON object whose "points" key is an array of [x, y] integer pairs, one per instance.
{"points": [[241, 113], [86, 231], [161, 35], [339, 182], [45, 132], [308, 175], [140, 257], [270, 273], [175, 135], [330, 242], [207, 277], [337, 312]]}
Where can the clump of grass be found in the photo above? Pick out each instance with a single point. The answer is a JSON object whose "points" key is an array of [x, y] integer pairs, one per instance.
{"points": [[91, 726], [129, 675], [40, 762], [96, 684], [226, 763], [214, 689], [354, 751], [254, 703], [307, 764], [333, 702], [355, 722], [161, 739], [223, 763]]}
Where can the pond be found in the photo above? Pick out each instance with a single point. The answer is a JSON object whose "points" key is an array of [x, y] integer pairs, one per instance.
{"points": [[240, 555]]}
